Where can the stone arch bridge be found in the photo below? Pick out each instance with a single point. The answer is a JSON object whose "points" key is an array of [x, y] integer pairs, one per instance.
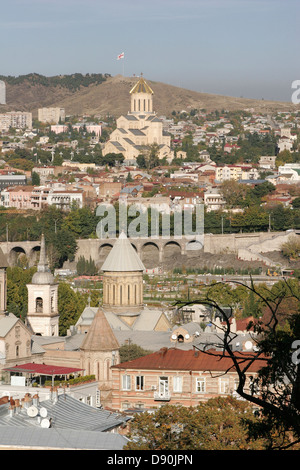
{"points": [[151, 249], [97, 249]]}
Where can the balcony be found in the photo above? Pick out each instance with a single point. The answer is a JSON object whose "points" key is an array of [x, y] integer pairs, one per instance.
{"points": [[162, 396]]}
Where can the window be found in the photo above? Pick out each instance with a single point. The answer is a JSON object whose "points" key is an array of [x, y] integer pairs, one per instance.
{"points": [[224, 385], [177, 383], [126, 382], [200, 384], [139, 382]]}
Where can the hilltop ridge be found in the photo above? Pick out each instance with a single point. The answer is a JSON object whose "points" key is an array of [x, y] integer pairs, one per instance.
{"points": [[105, 94]]}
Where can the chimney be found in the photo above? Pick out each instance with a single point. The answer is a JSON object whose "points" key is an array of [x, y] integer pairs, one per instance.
{"points": [[17, 406], [36, 400], [27, 401]]}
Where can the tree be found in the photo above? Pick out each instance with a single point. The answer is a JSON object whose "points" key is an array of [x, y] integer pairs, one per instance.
{"points": [[35, 178], [219, 424], [275, 392], [291, 248], [233, 193], [128, 352], [70, 307]]}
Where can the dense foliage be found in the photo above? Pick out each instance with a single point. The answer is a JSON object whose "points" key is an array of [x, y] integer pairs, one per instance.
{"points": [[71, 82]]}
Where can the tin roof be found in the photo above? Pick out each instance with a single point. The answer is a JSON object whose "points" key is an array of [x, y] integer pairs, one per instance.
{"points": [[174, 359], [122, 257]]}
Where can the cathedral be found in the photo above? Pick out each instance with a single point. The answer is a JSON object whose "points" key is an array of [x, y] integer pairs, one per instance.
{"points": [[140, 128]]}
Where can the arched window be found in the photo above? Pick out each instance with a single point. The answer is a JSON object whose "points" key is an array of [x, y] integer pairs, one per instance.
{"points": [[39, 305]]}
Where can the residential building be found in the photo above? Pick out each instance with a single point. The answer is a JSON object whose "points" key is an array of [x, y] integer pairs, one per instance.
{"points": [[16, 119], [12, 180], [267, 162], [17, 196], [177, 377], [66, 198], [51, 115], [213, 199], [2, 92]]}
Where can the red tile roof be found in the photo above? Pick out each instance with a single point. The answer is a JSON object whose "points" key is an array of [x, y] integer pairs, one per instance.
{"points": [[175, 359], [43, 369]]}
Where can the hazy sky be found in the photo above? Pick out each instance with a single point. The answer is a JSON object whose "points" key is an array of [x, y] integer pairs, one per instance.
{"points": [[246, 48]]}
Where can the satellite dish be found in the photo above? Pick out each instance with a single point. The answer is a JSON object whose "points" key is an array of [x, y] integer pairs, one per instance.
{"points": [[248, 345], [174, 336], [45, 423], [197, 333], [32, 411], [43, 412], [187, 336]]}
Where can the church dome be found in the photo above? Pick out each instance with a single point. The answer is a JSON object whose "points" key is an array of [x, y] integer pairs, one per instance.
{"points": [[123, 257], [141, 87], [43, 278]]}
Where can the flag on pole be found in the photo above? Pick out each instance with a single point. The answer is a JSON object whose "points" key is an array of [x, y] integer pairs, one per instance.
{"points": [[120, 56]]}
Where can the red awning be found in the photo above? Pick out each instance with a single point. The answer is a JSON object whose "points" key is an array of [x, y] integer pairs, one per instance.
{"points": [[43, 369]]}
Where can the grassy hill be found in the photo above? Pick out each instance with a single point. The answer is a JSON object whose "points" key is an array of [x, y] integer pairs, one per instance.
{"points": [[103, 94]]}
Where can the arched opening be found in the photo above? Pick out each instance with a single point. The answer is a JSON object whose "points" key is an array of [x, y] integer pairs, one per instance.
{"points": [[180, 339], [103, 252], [172, 252], [34, 256], [194, 245], [16, 256], [39, 305], [150, 255]]}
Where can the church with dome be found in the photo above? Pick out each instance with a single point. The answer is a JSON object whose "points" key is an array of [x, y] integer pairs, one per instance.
{"points": [[140, 128]]}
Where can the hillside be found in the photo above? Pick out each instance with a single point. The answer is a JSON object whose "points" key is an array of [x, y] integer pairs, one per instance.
{"points": [[111, 95]]}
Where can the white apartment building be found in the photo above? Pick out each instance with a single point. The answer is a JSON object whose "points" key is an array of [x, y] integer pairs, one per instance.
{"points": [[2, 92], [62, 198], [51, 115], [15, 119], [65, 199], [213, 199]]}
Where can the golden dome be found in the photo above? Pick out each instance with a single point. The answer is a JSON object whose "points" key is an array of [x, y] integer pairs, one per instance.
{"points": [[141, 87]]}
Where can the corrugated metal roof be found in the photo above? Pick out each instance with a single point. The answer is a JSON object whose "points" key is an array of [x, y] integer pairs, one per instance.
{"points": [[39, 438], [74, 425]]}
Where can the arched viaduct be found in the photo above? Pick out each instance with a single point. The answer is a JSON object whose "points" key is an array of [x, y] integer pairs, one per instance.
{"points": [[247, 246], [156, 248], [97, 249]]}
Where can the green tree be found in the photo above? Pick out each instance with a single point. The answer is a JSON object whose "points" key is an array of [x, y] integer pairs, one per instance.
{"points": [[128, 352], [35, 178], [70, 306], [219, 424]]}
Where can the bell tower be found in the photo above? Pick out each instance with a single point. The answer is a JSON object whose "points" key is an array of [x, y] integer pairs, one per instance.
{"points": [[42, 315], [141, 97]]}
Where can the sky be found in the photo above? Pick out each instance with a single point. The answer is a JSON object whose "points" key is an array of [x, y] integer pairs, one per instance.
{"points": [[242, 48]]}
